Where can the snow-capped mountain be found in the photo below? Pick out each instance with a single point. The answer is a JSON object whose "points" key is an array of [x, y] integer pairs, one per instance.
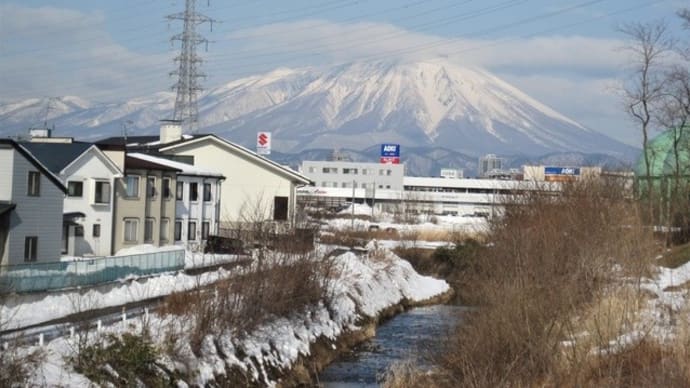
{"points": [[433, 103]]}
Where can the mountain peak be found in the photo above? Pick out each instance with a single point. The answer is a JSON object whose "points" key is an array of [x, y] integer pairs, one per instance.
{"points": [[415, 103]]}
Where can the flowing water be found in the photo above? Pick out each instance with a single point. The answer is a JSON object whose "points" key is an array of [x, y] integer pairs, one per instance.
{"points": [[409, 335]]}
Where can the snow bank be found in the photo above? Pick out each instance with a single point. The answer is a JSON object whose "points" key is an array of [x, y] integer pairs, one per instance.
{"points": [[365, 287]]}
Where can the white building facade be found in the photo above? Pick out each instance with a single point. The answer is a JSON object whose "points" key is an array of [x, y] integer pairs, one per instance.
{"points": [[90, 181], [197, 194], [357, 175]]}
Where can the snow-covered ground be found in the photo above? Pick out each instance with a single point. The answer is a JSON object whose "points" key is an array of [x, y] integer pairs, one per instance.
{"points": [[365, 287]]}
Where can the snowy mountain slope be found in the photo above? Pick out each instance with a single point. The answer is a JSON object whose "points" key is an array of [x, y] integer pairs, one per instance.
{"points": [[357, 105]]}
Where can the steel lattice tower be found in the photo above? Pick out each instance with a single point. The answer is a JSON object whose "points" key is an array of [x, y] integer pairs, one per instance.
{"points": [[187, 86]]}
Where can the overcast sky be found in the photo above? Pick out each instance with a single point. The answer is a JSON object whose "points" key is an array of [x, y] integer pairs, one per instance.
{"points": [[564, 53]]}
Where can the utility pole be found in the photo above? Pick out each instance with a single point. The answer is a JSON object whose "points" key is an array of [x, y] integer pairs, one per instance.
{"points": [[187, 86]]}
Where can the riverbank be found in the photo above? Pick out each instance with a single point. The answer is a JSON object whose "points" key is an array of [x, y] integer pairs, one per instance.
{"points": [[285, 351]]}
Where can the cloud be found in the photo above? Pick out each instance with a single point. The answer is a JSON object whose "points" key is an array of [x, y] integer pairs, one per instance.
{"points": [[56, 51], [337, 42]]}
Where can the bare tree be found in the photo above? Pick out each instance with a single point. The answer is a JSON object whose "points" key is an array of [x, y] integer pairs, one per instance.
{"points": [[648, 44]]}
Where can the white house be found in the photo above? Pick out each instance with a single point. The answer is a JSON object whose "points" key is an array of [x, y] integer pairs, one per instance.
{"points": [[31, 203], [89, 176], [197, 201], [255, 188]]}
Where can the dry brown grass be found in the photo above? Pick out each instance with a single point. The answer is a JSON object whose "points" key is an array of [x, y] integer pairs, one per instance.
{"points": [[551, 259]]}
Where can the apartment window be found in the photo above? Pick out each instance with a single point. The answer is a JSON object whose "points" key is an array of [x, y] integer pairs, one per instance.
{"points": [[78, 231], [350, 171], [102, 194], [380, 172], [96, 230], [132, 186], [179, 191], [150, 187], [311, 169], [388, 172], [207, 192], [191, 231], [329, 170], [148, 229], [165, 224], [178, 230], [30, 248], [205, 228], [75, 189], [364, 171], [167, 194], [131, 225], [193, 191], [34, 189], [280, 208]]}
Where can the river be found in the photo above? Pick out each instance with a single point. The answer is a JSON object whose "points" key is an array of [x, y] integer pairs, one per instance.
{"points": [[406, 336]]}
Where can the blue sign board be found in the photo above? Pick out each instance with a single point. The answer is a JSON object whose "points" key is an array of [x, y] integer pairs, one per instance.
{"points": [[390, 150], [561, 171]]}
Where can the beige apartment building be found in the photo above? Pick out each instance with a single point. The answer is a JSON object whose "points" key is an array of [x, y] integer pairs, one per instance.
{"points": [[144, 204]]}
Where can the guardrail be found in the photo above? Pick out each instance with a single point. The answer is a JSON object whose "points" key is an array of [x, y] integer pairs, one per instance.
{"points": [[33, 277]]}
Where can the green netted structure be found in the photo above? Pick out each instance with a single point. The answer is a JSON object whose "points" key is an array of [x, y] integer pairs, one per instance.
{"points": [[669, 176]]}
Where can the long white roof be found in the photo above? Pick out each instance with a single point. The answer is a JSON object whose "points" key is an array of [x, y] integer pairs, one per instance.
{"points": [[185, 169]]}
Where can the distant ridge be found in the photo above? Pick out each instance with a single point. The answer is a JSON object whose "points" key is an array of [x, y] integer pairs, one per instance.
{"points": [[356, 105]]}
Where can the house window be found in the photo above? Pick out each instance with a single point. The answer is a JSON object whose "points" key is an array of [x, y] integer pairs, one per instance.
{"points": [[75, 189], [30, 248], [165, 224], [132, 186], [204, 230], [148, 230], [207, 192], [96, 231], [179, 191], [78, 231], [102, 194], [280, 208], [191, 231], [34, 189], [193, 191], [150, 187], [131, 229], [178, 230], [167, 194]]}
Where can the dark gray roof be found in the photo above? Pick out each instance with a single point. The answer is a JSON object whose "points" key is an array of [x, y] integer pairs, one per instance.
{"points": [[56, 156], [34, 161]]}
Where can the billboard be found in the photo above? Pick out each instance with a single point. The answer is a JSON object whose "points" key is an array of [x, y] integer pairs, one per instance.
{"points": [[561, 174], [561, 171], [263, 143], [390, 154], [390, 150]]}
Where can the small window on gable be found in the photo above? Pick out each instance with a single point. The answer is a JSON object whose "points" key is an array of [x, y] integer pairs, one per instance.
{"points": [[34, 184]]}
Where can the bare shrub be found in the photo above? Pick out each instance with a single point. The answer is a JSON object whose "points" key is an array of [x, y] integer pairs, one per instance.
{"points": [[550, 256]]}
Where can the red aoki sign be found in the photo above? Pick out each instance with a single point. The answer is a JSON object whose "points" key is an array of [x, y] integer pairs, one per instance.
{"points": [[389, 160], [263, 143]]}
